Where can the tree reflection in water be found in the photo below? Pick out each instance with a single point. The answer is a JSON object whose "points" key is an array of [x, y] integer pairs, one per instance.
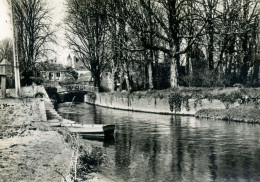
{"points": [[151, 147]]}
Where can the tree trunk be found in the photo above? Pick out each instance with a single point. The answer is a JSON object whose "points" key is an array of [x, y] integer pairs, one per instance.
{"points": [[150, 75], [121, 80], [127, 84], [174, 73], [190, 67], [256, 73], [113, 81], [97, 81]]}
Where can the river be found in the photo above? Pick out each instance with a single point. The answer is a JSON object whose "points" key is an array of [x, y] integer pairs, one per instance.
{"points": [[153, 147]]}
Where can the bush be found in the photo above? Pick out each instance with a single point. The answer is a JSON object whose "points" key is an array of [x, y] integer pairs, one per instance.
{"points": [[26, 81], [89, 159], [206, 78], [10, 83]]}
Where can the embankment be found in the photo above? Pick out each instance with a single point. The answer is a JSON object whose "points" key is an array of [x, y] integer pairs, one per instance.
{"points": [[29, 149], [183, 101], [32, 150]]}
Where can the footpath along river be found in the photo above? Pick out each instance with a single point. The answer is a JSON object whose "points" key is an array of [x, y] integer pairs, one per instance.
{"points": [[153, 147]]}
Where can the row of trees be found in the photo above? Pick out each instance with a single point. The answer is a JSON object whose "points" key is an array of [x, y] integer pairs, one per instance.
{"points": [[204, 41]]}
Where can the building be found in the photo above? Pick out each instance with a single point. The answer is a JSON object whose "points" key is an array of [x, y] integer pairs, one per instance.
{"points": [[77, 65], [54, 75]]}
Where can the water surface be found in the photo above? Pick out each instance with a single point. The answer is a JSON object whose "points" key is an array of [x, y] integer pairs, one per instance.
{"points": [[153, 147]]}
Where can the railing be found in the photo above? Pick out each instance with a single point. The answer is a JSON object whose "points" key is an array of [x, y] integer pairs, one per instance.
{"points": [[78, 88]]}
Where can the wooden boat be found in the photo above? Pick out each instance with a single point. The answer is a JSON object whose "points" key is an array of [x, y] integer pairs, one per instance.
{"points": [[67, 122], [99, 130], [52, 124]]}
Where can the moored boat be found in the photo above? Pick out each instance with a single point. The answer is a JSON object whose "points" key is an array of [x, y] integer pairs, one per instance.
{"points": [[92, 129]]}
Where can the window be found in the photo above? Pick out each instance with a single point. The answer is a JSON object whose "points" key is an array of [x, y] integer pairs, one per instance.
{"points": [[58, 74]]}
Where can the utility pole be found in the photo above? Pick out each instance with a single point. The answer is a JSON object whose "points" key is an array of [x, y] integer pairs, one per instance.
{"points": [[15, 55]]}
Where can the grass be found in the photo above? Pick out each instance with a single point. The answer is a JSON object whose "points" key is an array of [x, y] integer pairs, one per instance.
{"points": [[249, 98], [229, 94], [244, 113]]}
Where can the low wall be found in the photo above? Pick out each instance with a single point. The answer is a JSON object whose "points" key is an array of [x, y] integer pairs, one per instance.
{"points": [[30, 91], [154, 105]]}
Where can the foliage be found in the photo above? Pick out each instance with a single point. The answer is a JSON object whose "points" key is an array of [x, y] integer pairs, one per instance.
{"points": [[48, 66], [31, 80], [207, 78], [10, 82], [72, 72], [175, 101], [53, 94], [89, 159], [203, 43], [244, 113]]}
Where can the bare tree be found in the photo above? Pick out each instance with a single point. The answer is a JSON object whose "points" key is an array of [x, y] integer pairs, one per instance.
{"points": [[33, 33], [170, 17], [87, 34]]}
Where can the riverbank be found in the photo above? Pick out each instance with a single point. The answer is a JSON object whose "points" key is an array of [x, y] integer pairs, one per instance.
{"points": [[218, 103], [32, 150], [245, 113]]}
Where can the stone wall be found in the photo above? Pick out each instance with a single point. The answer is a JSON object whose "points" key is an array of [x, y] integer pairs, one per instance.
{"points": [[150, 104]]}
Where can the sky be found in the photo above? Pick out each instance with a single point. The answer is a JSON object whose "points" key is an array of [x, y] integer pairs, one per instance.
{"points": [[5, 23], [58, 14]]}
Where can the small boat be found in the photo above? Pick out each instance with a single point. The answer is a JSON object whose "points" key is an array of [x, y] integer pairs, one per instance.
{"points": [[54, 124], [77, 125], [100, 130], [67, 122]]}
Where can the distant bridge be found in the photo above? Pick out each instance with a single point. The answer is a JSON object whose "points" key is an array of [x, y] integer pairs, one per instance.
{"points": [[77, 88]]}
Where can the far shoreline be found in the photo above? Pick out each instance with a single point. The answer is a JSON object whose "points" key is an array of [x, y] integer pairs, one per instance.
{"points": [[229, 104]]}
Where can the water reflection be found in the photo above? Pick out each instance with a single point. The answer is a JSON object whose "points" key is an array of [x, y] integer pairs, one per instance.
{"points": [[151, 147]]}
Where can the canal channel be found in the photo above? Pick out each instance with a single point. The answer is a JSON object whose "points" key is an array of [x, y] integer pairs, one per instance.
{"points": [[153, 147]]}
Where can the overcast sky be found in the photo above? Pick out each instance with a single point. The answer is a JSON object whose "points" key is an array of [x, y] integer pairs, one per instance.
{"points": [[5, 28], [57, 14]]}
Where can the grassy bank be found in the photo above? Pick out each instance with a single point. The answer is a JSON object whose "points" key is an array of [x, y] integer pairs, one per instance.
{"points": [[245, 113], [247, 101], [196, 92], [31, 150]]}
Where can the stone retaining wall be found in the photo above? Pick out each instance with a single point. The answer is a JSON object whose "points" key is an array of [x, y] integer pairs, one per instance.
{"points": [[150, 104]]}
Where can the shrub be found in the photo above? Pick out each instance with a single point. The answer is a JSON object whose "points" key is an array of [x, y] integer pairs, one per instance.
{"points": [[206, 78], [175, 101], [89, 159]]}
